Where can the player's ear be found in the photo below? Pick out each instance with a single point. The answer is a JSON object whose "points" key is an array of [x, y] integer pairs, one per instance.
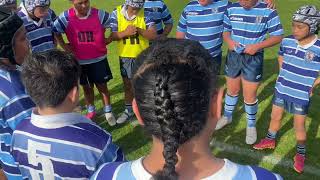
{"points": [[136, 111], [213, 111], [74, 94]]}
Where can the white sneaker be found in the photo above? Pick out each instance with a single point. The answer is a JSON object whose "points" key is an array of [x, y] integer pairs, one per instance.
{"points": [[125, 116], [251, 135], [223, 121], [110, 118]]}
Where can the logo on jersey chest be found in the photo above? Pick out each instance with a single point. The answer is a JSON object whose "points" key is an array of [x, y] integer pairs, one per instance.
{"points": [[309, 56], [259, 19], [192, 13], [155, 9], [234, 18], [214, 10]]}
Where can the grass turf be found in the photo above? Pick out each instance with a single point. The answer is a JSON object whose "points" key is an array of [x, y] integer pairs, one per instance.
{"points": [[136, 144]]}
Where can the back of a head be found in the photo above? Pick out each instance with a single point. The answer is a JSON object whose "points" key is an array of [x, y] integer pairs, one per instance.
{"points": [[173, 84], [50, 76], [10, 23]]}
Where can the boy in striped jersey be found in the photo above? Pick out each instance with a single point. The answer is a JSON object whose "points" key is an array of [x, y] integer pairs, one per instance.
{"points": [[15, 104], [161, 15], [246, 25], [85, 28], [56, 143], [202, 21], [38, 20], [299, 61]]}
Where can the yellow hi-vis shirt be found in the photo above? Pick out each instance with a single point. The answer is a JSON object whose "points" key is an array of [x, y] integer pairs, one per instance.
{"points": [[131, 46]]}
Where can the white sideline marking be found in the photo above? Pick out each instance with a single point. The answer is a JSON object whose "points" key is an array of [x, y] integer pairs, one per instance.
{"points": [[257, 155]]}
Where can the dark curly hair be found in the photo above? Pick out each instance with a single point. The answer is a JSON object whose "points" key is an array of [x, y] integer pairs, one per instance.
{"points": [[173, 83]]}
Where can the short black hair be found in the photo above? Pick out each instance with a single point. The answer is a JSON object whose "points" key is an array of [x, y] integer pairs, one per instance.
{"points": [[50, 76]]}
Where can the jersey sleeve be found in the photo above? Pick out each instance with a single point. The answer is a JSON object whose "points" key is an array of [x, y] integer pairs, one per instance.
{"points": [[274, 25], [110, 153], [104, 18], [281, 50], [16, 109], [61, 23], [53, 15], [106, 171], [166, 15], [182, 25], [262, 173], [114, 21], [149, 20], [226, 22]]}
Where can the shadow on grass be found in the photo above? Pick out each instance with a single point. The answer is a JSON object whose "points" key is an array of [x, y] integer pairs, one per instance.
{"points": [[134, 140]]}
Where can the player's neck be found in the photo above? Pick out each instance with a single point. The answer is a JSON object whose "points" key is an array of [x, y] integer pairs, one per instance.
{"points": [[196, 151], [251, 5], [33, 17], [63, 108], [82, 15], [307, 40]]}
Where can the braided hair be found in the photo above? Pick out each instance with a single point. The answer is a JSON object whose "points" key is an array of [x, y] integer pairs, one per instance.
{"points": [[173, 82]]}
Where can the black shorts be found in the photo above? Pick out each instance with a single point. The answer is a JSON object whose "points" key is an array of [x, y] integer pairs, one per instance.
{"points": [[247, 66], [95, 73]]}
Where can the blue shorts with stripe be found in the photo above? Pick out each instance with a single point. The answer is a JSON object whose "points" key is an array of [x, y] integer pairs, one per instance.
{"points": [[290, 107], [247, 66]]}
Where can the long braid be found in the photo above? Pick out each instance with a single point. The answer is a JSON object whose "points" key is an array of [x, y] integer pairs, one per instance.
{"points": [[170, 129], [173, 84]]}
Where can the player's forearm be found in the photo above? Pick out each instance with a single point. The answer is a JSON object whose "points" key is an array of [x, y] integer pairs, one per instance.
{"points": [[180, 35], [227, 38], [60, 40], [109, 39], [149, 34], [280, 61], [271, 41], [317, 82], [167, 29], [118, 35]]}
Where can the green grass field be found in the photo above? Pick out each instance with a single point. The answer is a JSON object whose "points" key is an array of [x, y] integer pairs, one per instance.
{"points": [[135, 144]]}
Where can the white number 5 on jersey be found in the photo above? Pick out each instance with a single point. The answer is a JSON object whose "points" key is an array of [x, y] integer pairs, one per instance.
{"points": [[36, 159]]}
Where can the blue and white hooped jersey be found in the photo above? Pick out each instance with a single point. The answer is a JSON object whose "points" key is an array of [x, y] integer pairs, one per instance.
{"points": [[204, 24], [251, 26], [62, 146], [300, 69], [39, 34], [160, 12]]}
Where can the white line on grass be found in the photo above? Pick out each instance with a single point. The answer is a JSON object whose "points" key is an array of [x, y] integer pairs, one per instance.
{"points": [[271, 159]]}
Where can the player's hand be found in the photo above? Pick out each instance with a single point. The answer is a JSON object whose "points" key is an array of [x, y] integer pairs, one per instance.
{"points": [[108, 40], [232, 45], [271, 4], [251, 49], [311, 91], [131, 30]]}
